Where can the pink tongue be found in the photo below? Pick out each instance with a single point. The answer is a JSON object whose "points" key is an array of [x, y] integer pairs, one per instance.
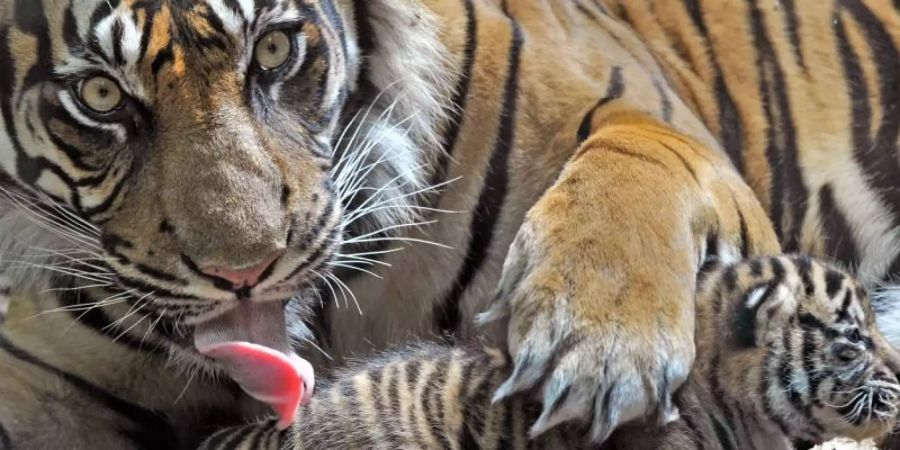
{"points": [[251, 343]]}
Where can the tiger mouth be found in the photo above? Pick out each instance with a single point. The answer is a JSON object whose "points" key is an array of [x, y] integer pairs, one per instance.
{"points": [[252, 345]]}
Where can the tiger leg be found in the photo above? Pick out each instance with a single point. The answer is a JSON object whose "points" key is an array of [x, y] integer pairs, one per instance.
{"points": [[598, 285]]}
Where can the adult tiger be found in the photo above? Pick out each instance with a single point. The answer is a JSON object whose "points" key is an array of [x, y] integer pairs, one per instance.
{"points": [[178, 159]]}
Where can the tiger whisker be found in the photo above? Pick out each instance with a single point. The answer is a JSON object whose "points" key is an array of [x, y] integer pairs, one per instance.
{"points": [[330, 287], [135, 308], [360, 269], [361, 259], [349, 291], [401, 197], [399, 239], [373, 253], [136, 323]]}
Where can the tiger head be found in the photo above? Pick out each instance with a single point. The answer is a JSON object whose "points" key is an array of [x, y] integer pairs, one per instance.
{"points": [[208, 159], [801, 348]]}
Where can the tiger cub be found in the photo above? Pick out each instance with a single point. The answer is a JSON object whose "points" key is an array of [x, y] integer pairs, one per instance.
{"points": [[787, 350]]}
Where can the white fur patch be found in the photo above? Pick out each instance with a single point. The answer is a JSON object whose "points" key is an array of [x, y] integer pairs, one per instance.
{"points": [[886, 300], [755, 296]]}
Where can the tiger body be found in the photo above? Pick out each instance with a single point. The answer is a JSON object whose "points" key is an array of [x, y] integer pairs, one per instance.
{"points": [[576, 161], [770, 332]]}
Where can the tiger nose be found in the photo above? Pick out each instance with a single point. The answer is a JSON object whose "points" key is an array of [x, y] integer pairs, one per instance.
{"points": [[243, 277]]}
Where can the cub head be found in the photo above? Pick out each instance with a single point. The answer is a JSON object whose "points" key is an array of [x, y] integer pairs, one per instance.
{"points": [[801, 348], [203, 160]]}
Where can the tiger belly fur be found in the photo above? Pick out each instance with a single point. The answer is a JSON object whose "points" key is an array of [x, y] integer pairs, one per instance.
{"points": [[768, 332]]}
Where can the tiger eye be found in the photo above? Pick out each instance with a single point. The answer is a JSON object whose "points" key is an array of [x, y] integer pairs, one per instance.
{"points": [[101, 94], [273, 50]]}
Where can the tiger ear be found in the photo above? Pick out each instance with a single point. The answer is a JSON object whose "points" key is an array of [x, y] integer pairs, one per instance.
{"points": [[763, 312]]}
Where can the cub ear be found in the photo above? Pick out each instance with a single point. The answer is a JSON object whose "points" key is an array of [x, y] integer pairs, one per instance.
{"points": [[763, 311]]}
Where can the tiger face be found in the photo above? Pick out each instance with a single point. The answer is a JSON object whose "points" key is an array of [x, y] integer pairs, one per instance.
{"points": [[818, 366], [192, 139], [205, 160]]}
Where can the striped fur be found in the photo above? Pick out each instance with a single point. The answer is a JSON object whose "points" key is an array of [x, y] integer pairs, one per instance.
{"points": [[788, 350], [574, 162]]}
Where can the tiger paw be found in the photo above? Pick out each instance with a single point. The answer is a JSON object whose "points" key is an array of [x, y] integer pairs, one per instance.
{"points": [[599, 345]]}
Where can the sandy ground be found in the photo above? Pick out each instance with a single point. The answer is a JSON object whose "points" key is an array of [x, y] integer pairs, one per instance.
{"points": [[846, 444]]}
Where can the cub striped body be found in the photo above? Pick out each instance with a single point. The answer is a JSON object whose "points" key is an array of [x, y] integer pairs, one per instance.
{"points": [[787, 351]]}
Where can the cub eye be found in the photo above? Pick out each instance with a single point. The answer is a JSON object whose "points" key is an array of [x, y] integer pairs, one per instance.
{"points": [[854, 336], [101, 94], [273, 50]]}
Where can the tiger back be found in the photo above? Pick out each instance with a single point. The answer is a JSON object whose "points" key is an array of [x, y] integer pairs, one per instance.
{"points": [[787, 351]]}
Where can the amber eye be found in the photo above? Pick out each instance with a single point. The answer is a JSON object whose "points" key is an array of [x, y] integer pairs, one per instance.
{"points": [[101, 94], [273, 50]]}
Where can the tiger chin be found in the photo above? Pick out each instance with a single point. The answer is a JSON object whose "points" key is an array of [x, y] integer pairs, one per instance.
{"points": [[787, 348]]}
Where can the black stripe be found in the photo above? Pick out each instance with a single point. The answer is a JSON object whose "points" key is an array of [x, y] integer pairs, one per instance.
{"points": [[461, 93], [506, 429], [636, 155], [665, 103], [695, 434], [150, 9], [833, 282], [804, 268], [844, 313], [778, 270], [786, 378], [433, 395], [793, 29], [745, 238], [584, 10], [838, 237], [149, 429], [412, 371], [117, 32], [756, 267], [743, 324], [730, 127], [337, 21], [490, 202], [687, 165], [70, 32], [167, 277], [162, 58], [5, 439], [722, 433], [393, 396], [879, 157], [763, 394], [261, 440], [104, 10], [787, 188], [614, 90], [478, 408], [31, 18], [814, 376], [49, 112]]}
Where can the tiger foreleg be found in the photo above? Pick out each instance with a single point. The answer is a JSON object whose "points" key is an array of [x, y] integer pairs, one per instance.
{"points": [[598, 286]]}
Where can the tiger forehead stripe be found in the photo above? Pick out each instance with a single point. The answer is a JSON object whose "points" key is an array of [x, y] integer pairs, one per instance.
{"points": [[160, 34]]}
